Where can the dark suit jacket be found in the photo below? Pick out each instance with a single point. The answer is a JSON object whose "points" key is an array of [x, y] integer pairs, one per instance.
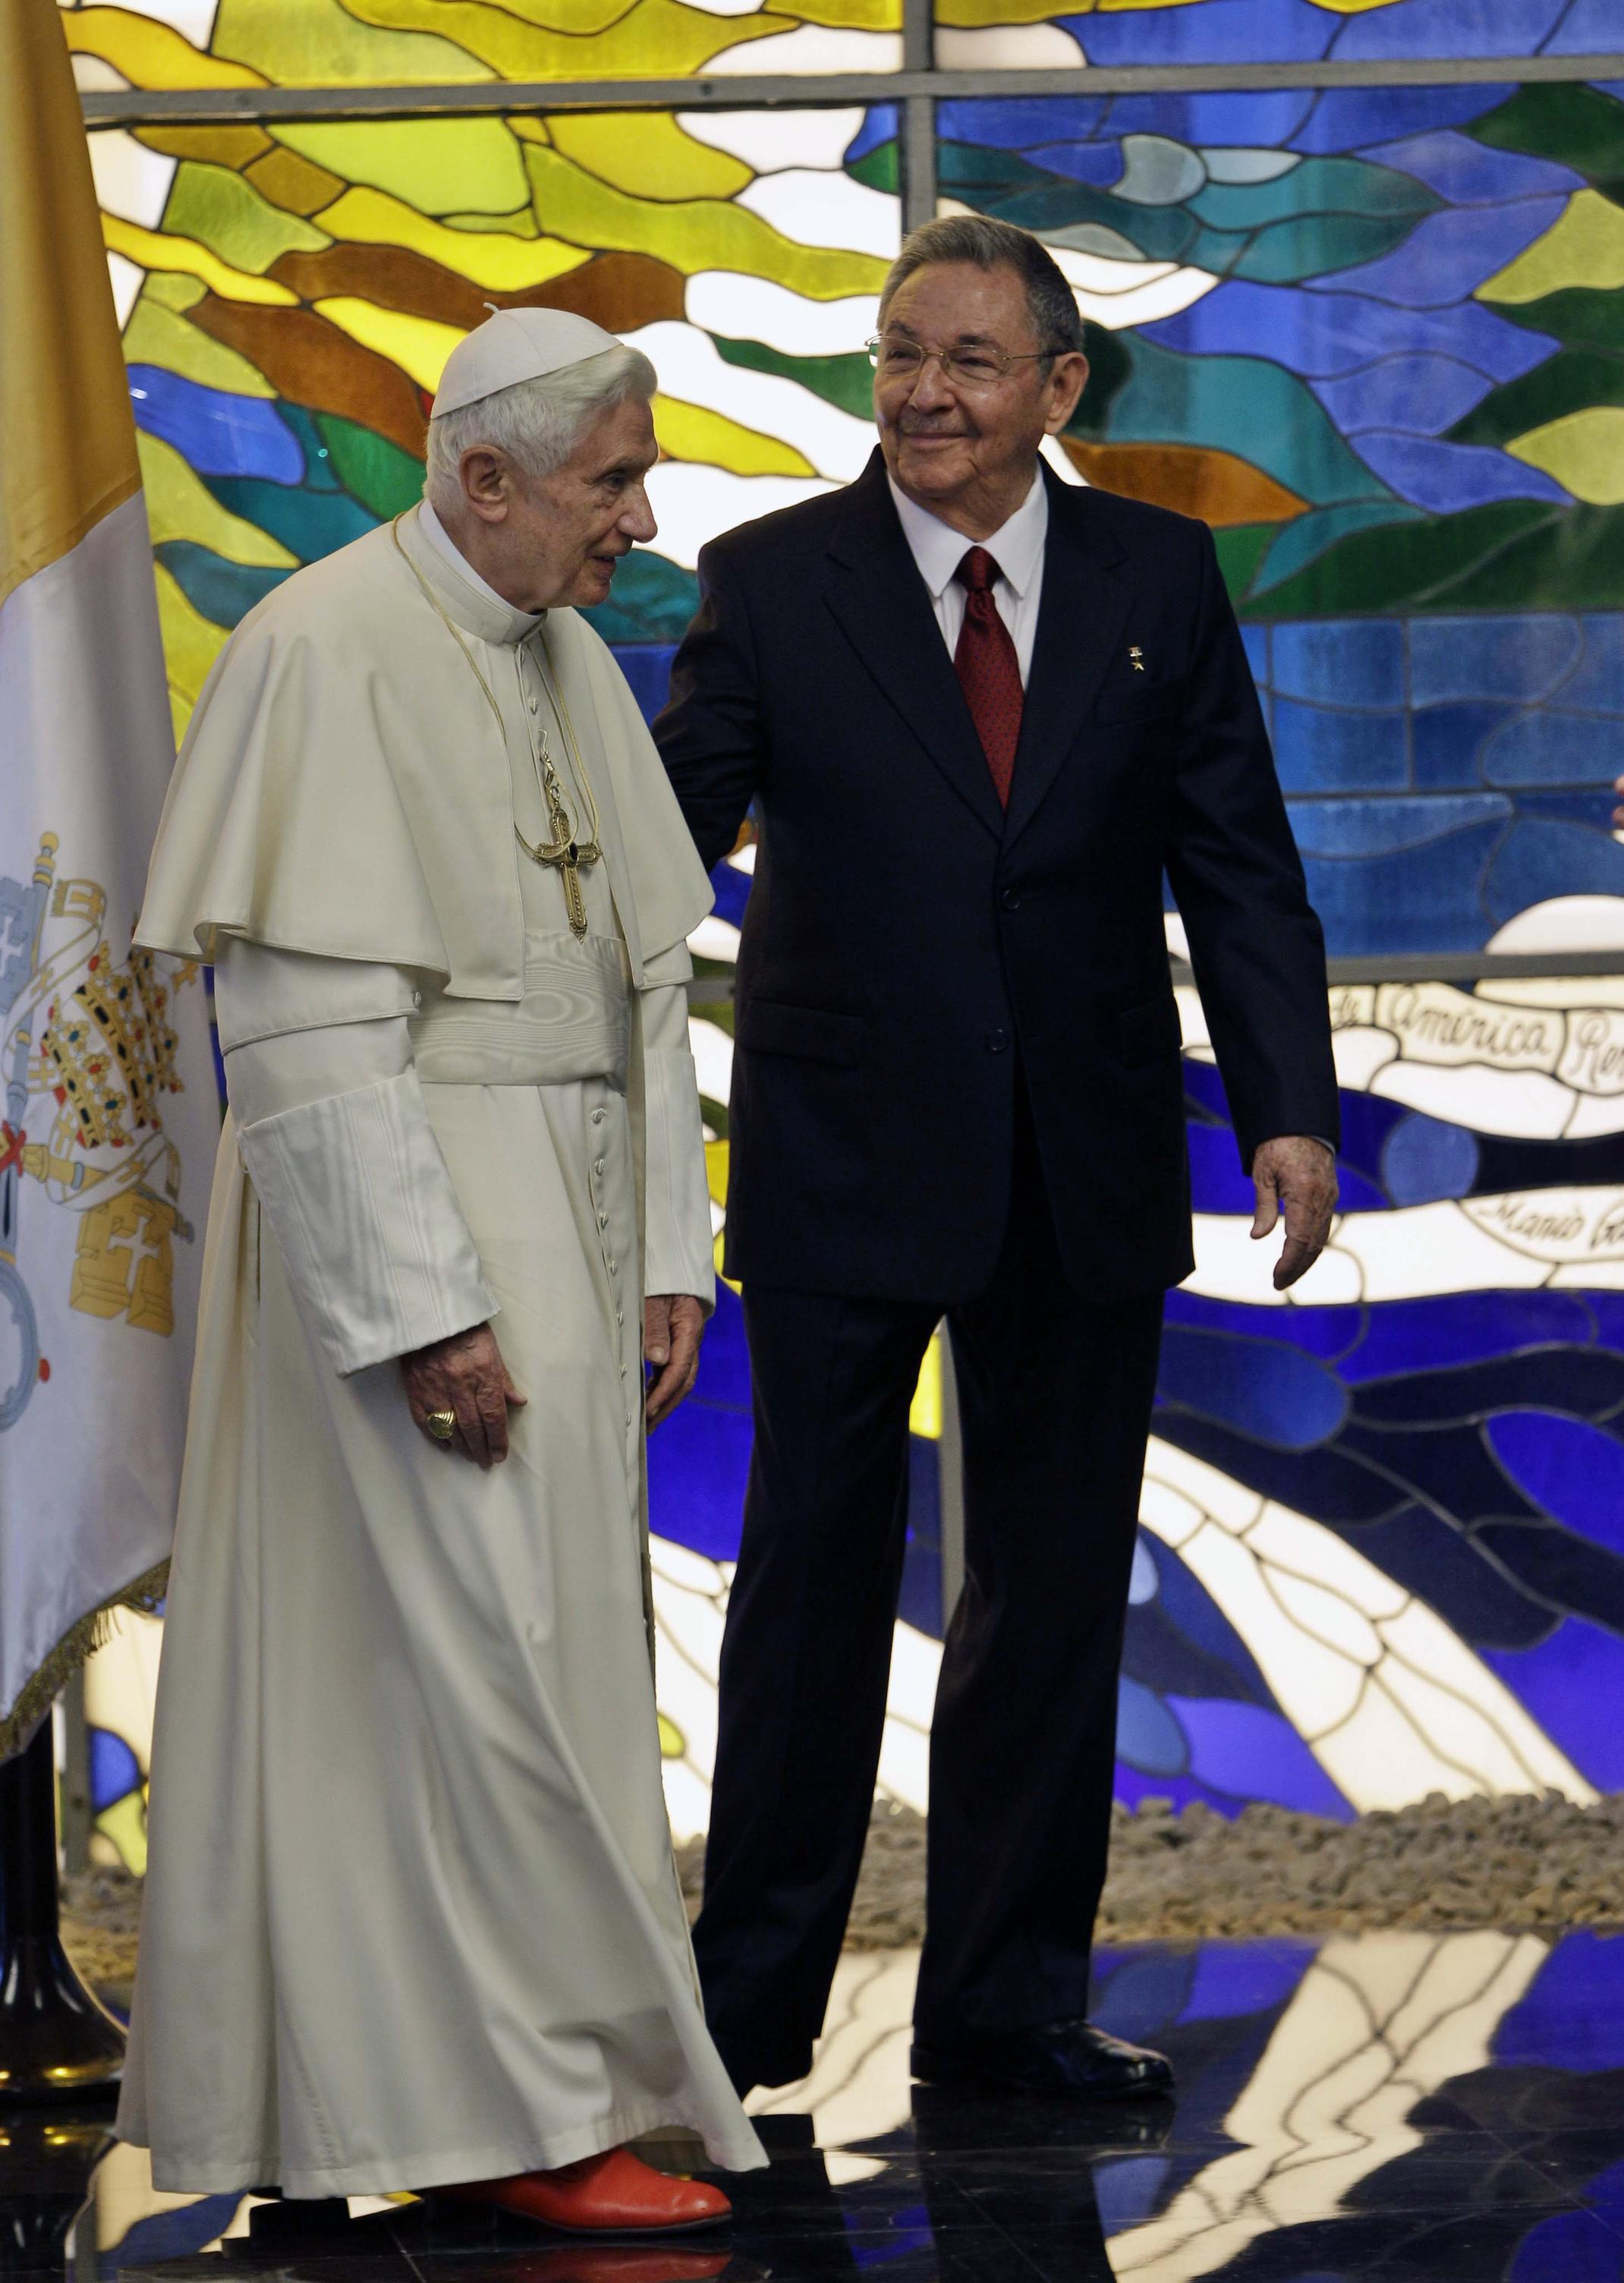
{"points": [[909, 947]]}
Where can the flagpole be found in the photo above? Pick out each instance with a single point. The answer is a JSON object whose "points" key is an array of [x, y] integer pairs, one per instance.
{"points": [[56, 2040]]}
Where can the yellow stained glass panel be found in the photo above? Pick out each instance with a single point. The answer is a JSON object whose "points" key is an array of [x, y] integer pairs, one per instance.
{"points": [[449, 42]]}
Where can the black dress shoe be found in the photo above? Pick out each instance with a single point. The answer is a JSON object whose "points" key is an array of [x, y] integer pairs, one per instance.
{"points": [[1070, 2058]]}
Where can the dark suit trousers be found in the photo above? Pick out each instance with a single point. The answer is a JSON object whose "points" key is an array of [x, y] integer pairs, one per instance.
{"points": [[1055, 1397]]}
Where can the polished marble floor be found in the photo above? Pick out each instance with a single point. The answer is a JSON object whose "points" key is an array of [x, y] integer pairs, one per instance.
{"points": [[1398, 2107]]}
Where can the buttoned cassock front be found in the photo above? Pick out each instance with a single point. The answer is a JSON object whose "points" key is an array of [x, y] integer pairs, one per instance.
{"points": [[411, 1914]]}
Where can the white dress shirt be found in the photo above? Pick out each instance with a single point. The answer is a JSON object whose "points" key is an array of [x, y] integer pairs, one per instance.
{"points": [[1016, 547]]}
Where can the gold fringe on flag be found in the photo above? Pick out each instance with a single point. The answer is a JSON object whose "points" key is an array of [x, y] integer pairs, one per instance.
{"points": [[76, 1644]]}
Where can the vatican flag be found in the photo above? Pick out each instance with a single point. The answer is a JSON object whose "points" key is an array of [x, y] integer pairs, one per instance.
{"points": [[108, 1110]]}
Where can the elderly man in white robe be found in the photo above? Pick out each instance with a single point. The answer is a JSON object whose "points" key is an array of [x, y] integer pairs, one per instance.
{"points": [[412, 1920]]}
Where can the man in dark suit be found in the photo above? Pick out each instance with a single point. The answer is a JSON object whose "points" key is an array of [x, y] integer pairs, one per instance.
{"points": [[978, 713]]}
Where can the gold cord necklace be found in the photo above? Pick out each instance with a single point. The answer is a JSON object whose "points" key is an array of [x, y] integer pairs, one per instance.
{"points": [[564, 853]]}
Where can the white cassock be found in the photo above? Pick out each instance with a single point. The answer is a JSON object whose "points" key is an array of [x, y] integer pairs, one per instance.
{"points": [[411, 1915]]}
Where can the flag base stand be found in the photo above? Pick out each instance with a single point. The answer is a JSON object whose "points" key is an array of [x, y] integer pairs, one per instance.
{"points": [[57, 2043], [48, 2161]]}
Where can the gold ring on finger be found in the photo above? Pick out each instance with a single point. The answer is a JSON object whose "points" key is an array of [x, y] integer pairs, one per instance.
{"points": [[442, 1425]]}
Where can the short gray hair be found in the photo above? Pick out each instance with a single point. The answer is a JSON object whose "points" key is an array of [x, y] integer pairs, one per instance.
{"points": [[1050, 303], [537, 423]]}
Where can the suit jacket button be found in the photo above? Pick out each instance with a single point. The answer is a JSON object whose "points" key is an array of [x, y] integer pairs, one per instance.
{"points": [[998, 1042], [1010, 900]]}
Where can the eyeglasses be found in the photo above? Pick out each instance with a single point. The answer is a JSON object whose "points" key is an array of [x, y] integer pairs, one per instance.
{"points": [[895, 357]]}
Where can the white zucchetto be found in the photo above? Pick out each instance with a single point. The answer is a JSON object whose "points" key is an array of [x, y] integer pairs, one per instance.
{"points": [[516, 345]]}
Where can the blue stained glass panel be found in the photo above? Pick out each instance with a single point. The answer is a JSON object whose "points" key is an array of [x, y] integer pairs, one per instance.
{"points": [[697, 1466], [1537, 855], [1425, 393], [223, 435], [1447, 254], [1596, 684], [1439, 476], [1242, 1751], [1523, 657], [1550, 749], [1424, 1159], [1373, 827], [114, 1769], [1214, 32], [1320, 335], [1470, 174], [1452, 27], [1342, 665], [1270, 115], [732, 889], [1299, 31], [1275, 1393], [1321, 750], [1217, 1182], [1590, 28], [1013, 122], [1148, 1736], [647, 667], [1349, 118], [1080, 162], [1561, 1681], [1571, 1470], [879, 127], [1448, 742]]}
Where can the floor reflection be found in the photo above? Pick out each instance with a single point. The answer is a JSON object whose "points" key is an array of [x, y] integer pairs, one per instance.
{"points": [[1400, 2105]]}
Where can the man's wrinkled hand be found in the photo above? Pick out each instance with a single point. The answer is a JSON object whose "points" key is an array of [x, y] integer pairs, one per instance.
{"points": [[465, 1375], [1295, 1175], [673, 1326]]}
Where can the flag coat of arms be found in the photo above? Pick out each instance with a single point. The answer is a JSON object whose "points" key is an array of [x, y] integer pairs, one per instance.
{"points": [[108, 1107]]}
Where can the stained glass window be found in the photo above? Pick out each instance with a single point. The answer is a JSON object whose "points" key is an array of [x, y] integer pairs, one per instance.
{"points": [[1371, 333], [1374, 336]]}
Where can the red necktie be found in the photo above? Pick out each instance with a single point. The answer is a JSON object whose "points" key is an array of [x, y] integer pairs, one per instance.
{"points": [[989, 670]]}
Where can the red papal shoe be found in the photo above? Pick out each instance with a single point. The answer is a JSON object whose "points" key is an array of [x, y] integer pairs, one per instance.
{"points": [[615, 2194]]}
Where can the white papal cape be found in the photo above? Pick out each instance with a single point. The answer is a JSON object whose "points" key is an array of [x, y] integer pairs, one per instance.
{"points": [[411, 1916]]}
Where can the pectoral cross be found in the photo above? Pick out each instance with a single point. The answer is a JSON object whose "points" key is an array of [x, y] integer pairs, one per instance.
{"points": [[564, 853], [566, 857]]}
